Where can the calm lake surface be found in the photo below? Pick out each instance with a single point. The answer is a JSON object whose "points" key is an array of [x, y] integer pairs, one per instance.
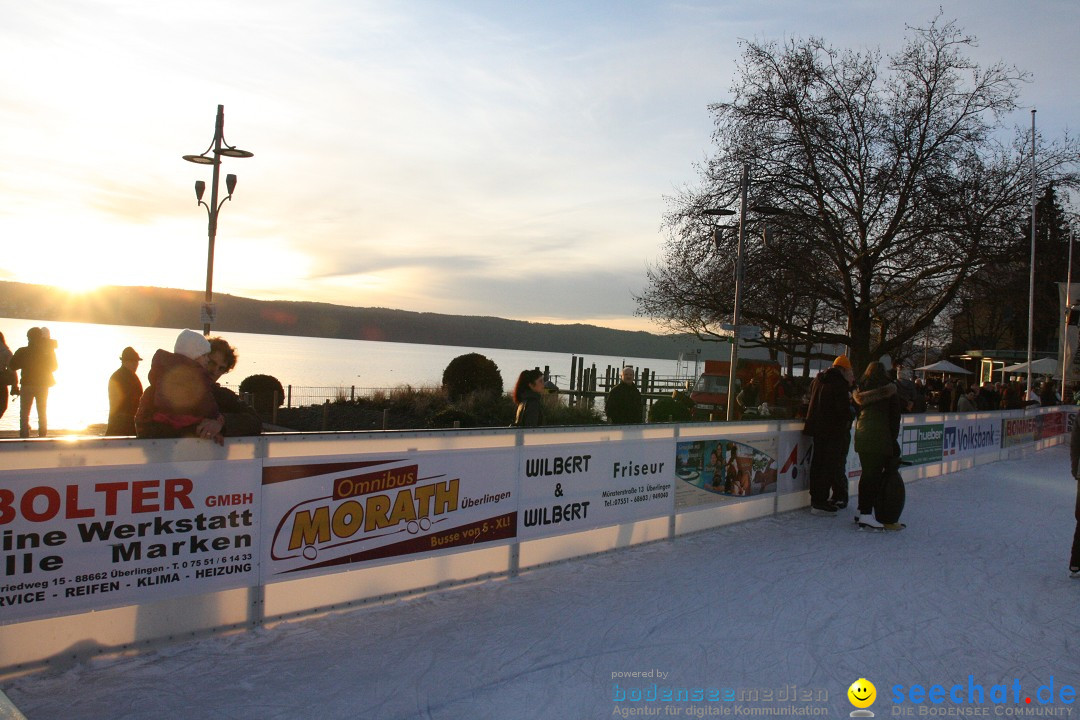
{"points": [[88, 354]]}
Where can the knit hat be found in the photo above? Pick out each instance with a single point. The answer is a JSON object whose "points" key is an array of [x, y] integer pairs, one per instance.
{"points": [[842, 361], [191, 344]]}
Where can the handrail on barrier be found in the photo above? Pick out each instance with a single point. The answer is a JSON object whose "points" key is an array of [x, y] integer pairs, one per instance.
{"points": [[116, 543]]}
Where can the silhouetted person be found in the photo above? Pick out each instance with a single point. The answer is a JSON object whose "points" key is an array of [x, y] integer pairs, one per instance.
{"points": [[36, 363], [623, 405], [125, 391], [7, 376], [828, 421]]}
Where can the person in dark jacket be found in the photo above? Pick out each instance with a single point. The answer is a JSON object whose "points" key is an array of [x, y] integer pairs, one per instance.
{"points": [[7, 376], [876, 432], [828, 421], [180, 399], [623, 404], [240, 418], [125, 391], [37, 363], [527, 395], [1074, 452]]}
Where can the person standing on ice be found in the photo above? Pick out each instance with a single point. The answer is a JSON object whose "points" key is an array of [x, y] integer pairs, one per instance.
{"points": [[1074, 452], [876, 430], [828, 421]]}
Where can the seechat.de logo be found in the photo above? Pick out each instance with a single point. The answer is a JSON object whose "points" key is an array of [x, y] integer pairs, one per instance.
{"points": [[862, 694]]}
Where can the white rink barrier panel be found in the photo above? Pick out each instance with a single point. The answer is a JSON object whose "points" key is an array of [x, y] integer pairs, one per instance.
{"points": [[108, 544]]}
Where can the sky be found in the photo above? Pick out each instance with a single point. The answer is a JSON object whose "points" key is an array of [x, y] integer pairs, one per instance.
{"points": [[455, 156]]}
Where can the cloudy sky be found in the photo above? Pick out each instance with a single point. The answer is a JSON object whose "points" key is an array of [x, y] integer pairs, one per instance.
{"points": [[460, 156]]}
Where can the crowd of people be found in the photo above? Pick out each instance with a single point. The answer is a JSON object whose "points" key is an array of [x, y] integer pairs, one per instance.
{"points": [[183, 398]]}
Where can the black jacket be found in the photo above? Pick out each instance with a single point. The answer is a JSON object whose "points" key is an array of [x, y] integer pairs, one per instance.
{"points": [[623, 404], [829, 413], [530, 410]]}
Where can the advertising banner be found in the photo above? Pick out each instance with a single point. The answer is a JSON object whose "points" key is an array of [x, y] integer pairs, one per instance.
{"points": [[569, 488], [1051, 425], [795, 454], [922, 443], [1019, 431], [339, 512], [720, 470], [964, 438], [89, 538]]}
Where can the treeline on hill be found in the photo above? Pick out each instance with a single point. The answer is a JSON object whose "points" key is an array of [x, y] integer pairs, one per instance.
{"points": [[162, 307]]}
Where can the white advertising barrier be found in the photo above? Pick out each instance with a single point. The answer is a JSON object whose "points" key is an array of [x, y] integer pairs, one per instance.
{"points": [[344, 511], [169, 538], [91, 538], [575, 487]]}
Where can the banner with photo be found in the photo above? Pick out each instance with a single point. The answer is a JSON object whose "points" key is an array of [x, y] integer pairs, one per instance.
{"points": [[569, 488], [89, 538], [722, 470], [795, 453]]}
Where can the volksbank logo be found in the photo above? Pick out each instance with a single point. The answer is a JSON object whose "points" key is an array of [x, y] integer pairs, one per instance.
{"points": [[971, 438]]}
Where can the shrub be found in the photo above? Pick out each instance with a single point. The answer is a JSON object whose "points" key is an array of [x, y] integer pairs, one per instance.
{"points": [[262, 389], [446, 419], [471, 373], [670, 410]]}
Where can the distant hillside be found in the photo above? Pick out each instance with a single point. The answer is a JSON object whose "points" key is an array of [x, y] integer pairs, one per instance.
{"points": [[160, 307]]}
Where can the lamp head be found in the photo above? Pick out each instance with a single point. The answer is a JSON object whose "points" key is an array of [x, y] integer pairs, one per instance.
{"points": [[200, 188], [230, 183]]}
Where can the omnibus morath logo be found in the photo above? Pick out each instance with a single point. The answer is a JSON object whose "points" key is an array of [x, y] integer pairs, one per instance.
{"points": [[365, 507]]}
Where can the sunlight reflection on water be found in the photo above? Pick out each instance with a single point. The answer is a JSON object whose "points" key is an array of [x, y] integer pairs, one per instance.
{"points": [[88, 354]]}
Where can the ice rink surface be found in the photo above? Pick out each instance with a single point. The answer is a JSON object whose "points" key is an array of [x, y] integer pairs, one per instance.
{"points": [[776, 616]]}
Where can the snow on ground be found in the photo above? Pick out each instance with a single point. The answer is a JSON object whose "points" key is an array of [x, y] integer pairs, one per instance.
{"points": [[976, 586]]}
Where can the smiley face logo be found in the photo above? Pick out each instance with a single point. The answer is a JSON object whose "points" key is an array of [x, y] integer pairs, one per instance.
{"points": [[862, 693]]}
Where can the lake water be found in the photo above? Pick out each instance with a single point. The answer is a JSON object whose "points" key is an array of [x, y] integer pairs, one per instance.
{"points": [[88, 354]]}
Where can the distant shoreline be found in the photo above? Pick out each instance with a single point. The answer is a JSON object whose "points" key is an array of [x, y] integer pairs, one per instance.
{"points": [[168, 308]]}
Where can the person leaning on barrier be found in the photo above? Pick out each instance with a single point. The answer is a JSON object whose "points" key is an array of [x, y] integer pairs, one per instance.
{"points": [[527, 395], [240, 418], [125, 391], [623, 404], [179, 401]]}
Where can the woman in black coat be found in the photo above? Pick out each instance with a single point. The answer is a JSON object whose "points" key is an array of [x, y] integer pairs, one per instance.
{"points": [[530, 404], [876, 430]]}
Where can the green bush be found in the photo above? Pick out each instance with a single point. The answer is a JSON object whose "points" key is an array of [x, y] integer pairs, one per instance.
{"points": [[446, 419], [471, 373], [262, 389]]}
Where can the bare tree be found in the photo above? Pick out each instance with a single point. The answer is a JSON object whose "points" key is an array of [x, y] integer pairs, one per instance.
{"points": [[894, 184]]}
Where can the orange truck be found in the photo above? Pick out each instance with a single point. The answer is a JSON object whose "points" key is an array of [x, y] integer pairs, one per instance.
{"points": [[710, 391]]}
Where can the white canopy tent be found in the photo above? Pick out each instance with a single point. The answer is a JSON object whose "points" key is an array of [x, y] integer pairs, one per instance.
{"points": [[946, 367], [1042, 366]]}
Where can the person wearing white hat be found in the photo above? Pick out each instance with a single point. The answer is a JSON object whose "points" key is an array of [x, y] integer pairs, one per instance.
{"points": [[180, 399]]}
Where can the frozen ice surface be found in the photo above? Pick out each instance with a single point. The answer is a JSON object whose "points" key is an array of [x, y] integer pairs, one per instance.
{"points": [[977, 585]]}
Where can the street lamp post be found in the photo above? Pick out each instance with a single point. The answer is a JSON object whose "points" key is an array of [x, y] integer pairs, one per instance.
{"points": [[737, 329], [220, 148], [1066, 347]]}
